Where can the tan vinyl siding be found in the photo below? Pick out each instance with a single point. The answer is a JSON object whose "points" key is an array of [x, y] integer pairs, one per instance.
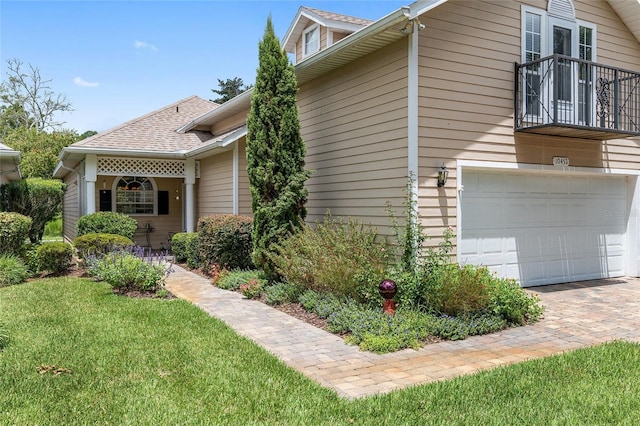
{"points": [[300, 43], [230, 123], [70, 205], [339, 36], [215, 186], [354, 123], [467, 54]]}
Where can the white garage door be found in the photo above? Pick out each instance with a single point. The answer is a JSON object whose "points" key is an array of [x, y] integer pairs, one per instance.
{"points": [[543, 229]]}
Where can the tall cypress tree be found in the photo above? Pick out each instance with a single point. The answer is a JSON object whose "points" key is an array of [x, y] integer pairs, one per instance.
{"points": [[275, 152]]}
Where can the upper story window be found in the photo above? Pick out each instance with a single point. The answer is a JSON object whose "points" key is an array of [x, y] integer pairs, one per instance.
{"points": [[135, 195], [311, 40]]}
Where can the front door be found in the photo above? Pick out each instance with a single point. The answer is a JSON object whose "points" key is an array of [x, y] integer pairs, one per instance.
{"points": [[563, 83]]}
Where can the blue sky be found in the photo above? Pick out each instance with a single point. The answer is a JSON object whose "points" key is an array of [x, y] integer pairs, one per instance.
{"points": [[117, 60]]}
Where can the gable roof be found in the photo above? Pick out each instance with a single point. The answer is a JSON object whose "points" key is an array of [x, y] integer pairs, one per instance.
{"points": [[152, 135], [155, 131], [331, 20]]}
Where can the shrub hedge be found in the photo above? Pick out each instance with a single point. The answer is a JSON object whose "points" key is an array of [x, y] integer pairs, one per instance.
{"points": [[98, 244], [184, 246], [107, 223], [14, 230], [225, 240], [54, 257]]}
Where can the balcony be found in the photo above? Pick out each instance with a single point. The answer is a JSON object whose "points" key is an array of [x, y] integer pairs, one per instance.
{"points": [[563, 96]]}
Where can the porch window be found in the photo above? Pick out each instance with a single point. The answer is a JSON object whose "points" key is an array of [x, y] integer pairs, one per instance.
{"points": [[311, 38], [135, 195]]}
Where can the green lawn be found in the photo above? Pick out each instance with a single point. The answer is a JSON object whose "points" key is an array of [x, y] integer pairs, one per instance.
{"points": [[165, 362]]}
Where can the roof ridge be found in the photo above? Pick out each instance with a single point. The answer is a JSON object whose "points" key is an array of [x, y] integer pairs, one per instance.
{"points": [[328, 15], [142, 117]]}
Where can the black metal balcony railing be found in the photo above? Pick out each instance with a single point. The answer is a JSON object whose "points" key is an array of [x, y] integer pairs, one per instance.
{"points": [[567, 93]]}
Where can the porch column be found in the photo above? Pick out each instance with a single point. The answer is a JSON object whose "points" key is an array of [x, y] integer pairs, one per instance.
{"points": [[236, 168], [189, 197], [90, 177]]}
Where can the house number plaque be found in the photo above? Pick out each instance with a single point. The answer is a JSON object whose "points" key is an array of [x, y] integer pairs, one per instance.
{"points": [[560, 161]]}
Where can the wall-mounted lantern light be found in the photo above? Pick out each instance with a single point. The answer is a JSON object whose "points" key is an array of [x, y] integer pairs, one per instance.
{"points": [[443, 173]]}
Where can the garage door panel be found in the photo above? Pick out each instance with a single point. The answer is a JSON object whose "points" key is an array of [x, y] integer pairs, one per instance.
{"points": [[530, 230]]}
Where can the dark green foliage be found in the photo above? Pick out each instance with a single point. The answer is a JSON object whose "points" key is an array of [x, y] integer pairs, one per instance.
{"points": [[40, 199], [14, 230], [281, 293], [98, 244], [179, 246], [229, 89], [54, 257], [186, 249], [12, 270], [275, 153], [225, 240], [107, 223], [344, 257], [30, 257]]}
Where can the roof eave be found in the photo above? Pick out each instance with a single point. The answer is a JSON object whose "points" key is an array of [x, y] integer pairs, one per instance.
{"points": [[232, 106]]}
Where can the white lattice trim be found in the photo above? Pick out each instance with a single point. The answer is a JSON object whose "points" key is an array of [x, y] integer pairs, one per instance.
{"points": [[118, 166]]}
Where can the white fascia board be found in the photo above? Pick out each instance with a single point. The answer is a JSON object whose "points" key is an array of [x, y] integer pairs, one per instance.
{"points": [[223, 143]]}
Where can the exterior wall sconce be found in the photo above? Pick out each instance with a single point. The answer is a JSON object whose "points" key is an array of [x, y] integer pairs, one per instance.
{"points": [[443, 173]]}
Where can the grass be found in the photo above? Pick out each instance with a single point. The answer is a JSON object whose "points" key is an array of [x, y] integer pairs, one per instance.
{"points": [[53, 230], [149, 361]]}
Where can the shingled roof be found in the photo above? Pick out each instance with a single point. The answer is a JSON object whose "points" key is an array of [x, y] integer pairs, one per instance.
{"points": [[156, 131], [331, 16]]}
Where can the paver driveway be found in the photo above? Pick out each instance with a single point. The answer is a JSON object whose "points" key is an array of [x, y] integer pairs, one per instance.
{"points": [[577, 315]]}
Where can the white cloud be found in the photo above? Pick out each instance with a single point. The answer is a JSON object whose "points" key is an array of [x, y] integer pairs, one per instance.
{"points": [[79, 81], [144, 45]]}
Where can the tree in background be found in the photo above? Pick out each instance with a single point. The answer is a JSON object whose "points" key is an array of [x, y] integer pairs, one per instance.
{"points": [[39, 199], [28, 100], [229, 89], [39, 149], [275, 152]]}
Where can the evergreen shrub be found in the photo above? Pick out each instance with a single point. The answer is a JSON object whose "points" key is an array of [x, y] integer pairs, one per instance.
{"points": [[98, 244], [54, 257], [225, 240], [107, 223], [14, 230]]}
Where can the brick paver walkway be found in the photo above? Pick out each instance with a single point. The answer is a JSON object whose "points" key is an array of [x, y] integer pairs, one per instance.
{"points": [[577, 315]]}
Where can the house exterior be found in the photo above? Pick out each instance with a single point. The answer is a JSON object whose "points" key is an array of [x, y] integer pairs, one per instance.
{"points": [[163, 178], [531, 108], [9, 164]]}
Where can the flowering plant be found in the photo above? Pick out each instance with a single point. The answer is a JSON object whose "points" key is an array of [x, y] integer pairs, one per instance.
{"points": [[252, 289]]}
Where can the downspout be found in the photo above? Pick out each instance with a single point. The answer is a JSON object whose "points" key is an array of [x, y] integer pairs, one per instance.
{"points": [[414, 26]]}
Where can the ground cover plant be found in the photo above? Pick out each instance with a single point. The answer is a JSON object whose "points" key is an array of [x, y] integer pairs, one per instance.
{"points": [[78, 354]]}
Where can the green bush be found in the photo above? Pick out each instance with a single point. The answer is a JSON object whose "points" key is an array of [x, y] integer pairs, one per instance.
{"points": [[54, 257], [39, 199], [107, 223], [459, 328], [342, 257], [14, 230], [280, 293], [455, 290], [126, 271], [513, 303], [99, 244], [179, 246], [12, 270], [30, 257], [232, 280], [184, 246], [225, 240]]}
